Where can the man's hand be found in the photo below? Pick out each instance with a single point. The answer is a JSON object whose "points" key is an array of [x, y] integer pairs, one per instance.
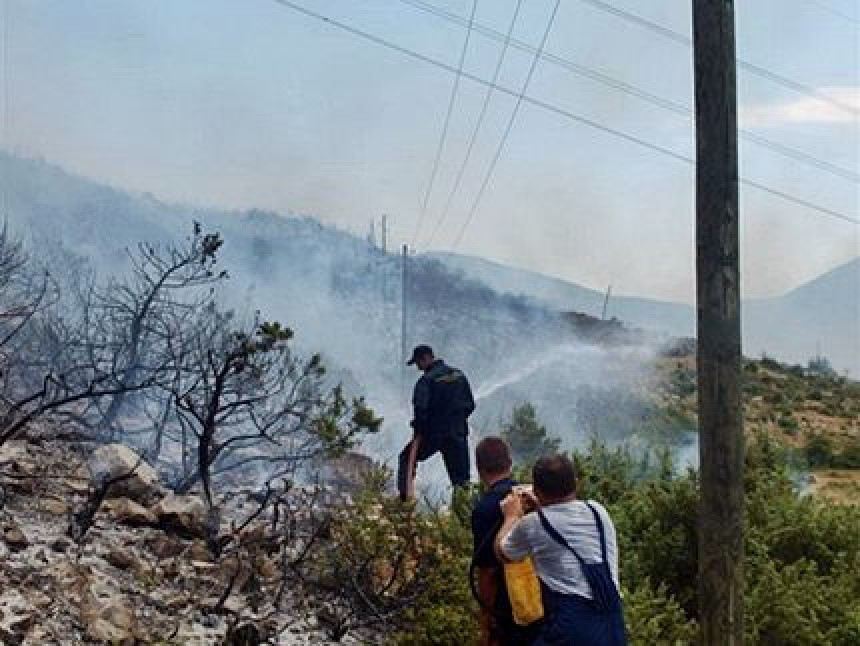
{"points": [[512, 507]]}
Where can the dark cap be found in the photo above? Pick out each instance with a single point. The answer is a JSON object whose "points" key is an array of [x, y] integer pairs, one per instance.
{"points": [[418, 352]]}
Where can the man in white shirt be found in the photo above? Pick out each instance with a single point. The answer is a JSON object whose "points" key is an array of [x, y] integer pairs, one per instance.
{"points": [[573, 546]]}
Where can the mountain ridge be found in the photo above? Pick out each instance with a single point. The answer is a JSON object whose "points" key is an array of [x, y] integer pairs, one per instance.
{"points": [[100, 221]]}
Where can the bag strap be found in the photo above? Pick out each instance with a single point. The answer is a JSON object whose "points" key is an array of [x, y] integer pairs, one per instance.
{"points": [[558, 538], [600, 530]]}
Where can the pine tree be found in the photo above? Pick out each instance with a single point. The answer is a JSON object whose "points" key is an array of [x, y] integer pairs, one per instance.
{"points": [[527, 438]]}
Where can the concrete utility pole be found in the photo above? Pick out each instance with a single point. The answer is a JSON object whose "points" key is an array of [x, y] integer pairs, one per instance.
{"points": [[385, 233], [721, 437], [404, 322], [606, 303]]}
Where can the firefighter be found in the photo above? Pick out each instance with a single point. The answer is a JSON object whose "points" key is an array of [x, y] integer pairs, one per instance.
{"points": [[442, 404]]}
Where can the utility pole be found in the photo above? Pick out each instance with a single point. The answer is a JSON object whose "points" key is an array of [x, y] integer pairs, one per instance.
{"points": [[404, 341], [385, 234], [721, 437], [606, 303], [371, 238]]}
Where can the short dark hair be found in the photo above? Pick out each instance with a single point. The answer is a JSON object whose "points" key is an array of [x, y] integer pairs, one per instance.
{"points": [[555, 476], [492, 456]]}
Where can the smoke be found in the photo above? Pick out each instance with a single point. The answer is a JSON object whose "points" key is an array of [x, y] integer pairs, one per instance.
{"points": [[344, 298]]}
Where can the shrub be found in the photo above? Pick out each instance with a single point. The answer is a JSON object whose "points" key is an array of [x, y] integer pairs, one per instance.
{"points": [[802, 555], [654, 617], [527, 438]]}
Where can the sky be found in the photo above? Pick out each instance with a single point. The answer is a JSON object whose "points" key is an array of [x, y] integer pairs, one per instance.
{"points": [[247, 103]]}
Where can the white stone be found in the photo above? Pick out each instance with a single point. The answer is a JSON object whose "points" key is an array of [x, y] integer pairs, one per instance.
{"points": [[115, 460]]}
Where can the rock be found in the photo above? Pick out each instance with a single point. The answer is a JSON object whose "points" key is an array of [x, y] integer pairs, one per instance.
{"points": [[165, 547], [110, 620], [184, 516], [128, 512], [14, 538], [122, 559], [116, 460], [199, 552], [55, 506], [267, 569], [16, 616]]}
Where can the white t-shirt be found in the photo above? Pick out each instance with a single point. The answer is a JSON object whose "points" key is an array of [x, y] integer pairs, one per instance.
{"points": [[556, 565]]}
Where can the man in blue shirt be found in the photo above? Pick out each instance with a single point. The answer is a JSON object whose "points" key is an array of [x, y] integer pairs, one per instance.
{"points": [[493, 461]]}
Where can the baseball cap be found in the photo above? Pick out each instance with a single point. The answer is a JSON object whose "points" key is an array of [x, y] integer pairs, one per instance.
{"points": [[418, 352]]}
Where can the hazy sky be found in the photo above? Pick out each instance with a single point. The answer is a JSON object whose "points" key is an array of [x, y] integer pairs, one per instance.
{"points": [[241, 103]]}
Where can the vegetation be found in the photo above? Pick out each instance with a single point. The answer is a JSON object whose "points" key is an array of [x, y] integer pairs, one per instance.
{"points": [[527, 438], [154, 360], [802, 555]]}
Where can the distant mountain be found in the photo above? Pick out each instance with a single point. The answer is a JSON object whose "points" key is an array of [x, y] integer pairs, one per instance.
{"points": [[821, 315], [674, 319]]}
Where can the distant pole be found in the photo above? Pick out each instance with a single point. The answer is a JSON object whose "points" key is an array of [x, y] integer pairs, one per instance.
{"points": [[404, 341], [385, 233], [721, 438], [372, 236], [606, 303]]}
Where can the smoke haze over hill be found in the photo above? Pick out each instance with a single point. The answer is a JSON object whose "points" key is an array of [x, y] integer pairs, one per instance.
{"points": [[343, 297]]}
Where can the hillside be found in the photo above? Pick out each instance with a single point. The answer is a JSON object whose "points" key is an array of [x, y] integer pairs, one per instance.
{"points": [[233, 500], [340, 295], [343, 296], [822, 315]]}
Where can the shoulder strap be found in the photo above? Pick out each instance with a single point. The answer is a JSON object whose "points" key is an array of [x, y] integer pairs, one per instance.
{"points": [[557, 537], [600, 531], [552, 531]]}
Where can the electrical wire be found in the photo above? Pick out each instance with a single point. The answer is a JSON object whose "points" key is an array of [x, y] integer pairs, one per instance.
{"points": [[497, 155], [834, 12], [444, 135], [550, 107], [649, 97], [480, 121], [683, 39]]}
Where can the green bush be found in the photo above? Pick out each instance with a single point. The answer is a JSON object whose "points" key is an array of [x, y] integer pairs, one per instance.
{"points": [[821, 454], [654, 617], [802, 555], [527, 438]]}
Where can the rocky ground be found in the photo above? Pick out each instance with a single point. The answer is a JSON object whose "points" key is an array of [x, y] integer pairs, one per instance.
{"points": [[142, 572]]}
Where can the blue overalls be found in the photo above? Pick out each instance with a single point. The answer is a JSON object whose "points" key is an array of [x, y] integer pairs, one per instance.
{"points": [[573, 620]]}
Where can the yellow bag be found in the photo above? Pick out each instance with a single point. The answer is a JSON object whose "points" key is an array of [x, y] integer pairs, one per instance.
{"points": [[524, 591]]}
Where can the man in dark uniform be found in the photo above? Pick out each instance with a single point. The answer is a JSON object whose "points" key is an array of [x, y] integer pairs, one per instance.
{"points": [[442, 404]]}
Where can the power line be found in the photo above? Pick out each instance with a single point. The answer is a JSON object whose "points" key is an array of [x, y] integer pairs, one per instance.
{"points": [[474, 137], [798, 200], [800, 156], [446, 124], [547, 106], [835, 12], [523, 46], [495, 160], [758, 70], [622, 86]]}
